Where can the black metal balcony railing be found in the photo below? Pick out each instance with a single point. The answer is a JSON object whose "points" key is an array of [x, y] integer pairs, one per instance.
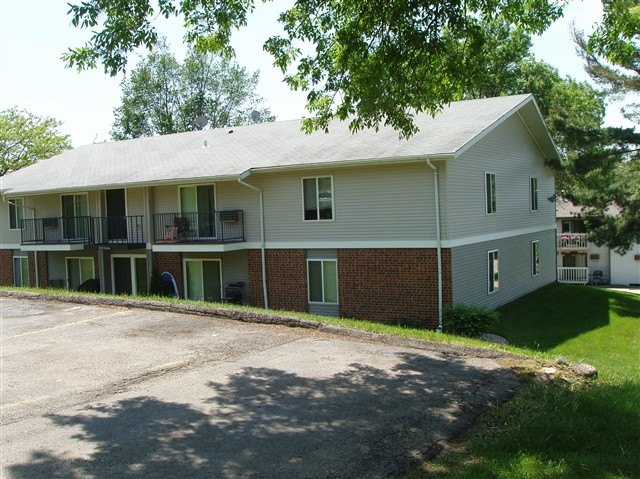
{"points": [[214, 227], [84, 230]]}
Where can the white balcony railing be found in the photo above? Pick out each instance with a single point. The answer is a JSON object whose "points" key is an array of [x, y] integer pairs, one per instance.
{"points": [[573, 275], [572, 241]]}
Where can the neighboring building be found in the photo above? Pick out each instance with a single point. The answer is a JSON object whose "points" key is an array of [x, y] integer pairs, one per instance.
{"points": [[583, 262], [359, 225]]}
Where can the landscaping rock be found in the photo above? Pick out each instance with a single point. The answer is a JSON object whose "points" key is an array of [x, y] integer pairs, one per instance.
{"points": [[562, 361], [584, 370], [494, 338]]}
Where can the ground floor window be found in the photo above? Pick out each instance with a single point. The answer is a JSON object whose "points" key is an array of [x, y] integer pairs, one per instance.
{"points": [[129, 275], [203, 279], [535, 258], [493, 267], [79, 270], [323, 281], [21, 271]]}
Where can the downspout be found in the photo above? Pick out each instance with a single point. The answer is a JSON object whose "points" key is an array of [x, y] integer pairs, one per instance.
{"points": [[243, 176], [35, 253], [438, 242]]}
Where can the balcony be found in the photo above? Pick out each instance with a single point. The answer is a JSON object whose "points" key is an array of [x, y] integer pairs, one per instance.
{"points": [[216, 227], [573, 275], [84, 230], [571, 241]]}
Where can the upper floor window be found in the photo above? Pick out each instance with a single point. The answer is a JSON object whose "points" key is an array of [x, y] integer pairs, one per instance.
{"points": [[533, 193], [317, 194], [490, 192], [493, 269], [16, 213]]}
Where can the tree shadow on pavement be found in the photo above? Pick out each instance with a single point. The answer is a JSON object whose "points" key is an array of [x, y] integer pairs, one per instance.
{"points": [[263, 422]]}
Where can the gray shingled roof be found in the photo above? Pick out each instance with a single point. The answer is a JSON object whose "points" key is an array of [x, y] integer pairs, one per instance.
{"points": [[182, 156]]}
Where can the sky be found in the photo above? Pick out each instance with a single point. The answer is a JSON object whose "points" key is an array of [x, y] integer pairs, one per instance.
{"points": [[35, 33]]}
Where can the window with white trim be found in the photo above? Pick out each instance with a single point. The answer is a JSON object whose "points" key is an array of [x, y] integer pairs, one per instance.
{"points": [[493, 270], [322, 278], [317, 197], [490, 193], [16, 213], [21, 271], [533, 193], [535, 258]]}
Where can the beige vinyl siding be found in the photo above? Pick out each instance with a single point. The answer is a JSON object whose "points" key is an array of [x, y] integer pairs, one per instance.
{"points": [[135, 201], [231, 195], [9, 238], [469, 269], [393, 202], [510, 153]]}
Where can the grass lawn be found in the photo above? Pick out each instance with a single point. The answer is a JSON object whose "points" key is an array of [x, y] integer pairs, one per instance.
{"points": [[564, 430]]}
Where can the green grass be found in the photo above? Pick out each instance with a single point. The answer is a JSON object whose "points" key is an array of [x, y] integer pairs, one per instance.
{"points": [[579, 430]]}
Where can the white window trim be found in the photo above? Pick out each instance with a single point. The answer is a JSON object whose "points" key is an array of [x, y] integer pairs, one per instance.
{"points": [[486, 194], [333, 199], [309, 260], [66, 268], [195, 185], [535, 258], [21, 257], [531, 194], [490, 277], [132, 258], [201, 260], [16, 208]]}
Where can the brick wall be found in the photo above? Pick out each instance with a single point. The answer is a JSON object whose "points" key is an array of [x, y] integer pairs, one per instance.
{"points": [[43, 268], [286, 279], [393, 285], [397, 286], [171, 262], [6, 267]]}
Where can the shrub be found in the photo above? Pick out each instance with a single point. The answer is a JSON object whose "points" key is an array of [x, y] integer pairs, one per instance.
{"points": [[468, 320], [157, 287]]}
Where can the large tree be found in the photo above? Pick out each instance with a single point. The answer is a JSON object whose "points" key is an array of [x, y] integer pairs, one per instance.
{"points": [[374, 62], [26, 138], [604, 179], [162, 96]]}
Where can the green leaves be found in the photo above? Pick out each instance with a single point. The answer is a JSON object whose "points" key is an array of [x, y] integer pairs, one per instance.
{"points": [[162, 96], [372, 62], [26, 139]]}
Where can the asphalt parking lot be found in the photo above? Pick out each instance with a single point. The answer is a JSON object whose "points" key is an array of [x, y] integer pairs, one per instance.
{"points": [[108, 392]]}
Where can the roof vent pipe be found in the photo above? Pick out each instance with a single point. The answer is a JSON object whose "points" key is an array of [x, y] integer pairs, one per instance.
{"points": [[205, 144]]}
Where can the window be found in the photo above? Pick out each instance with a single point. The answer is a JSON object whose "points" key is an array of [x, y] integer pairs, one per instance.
{"points": [[490, 192], [203, 279], [533, 191], [79, 270], [75, 211], [16, 213], [198, 206], [317, 196], [494, 281], [323, 281], [535, 258], [21, 271]]}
